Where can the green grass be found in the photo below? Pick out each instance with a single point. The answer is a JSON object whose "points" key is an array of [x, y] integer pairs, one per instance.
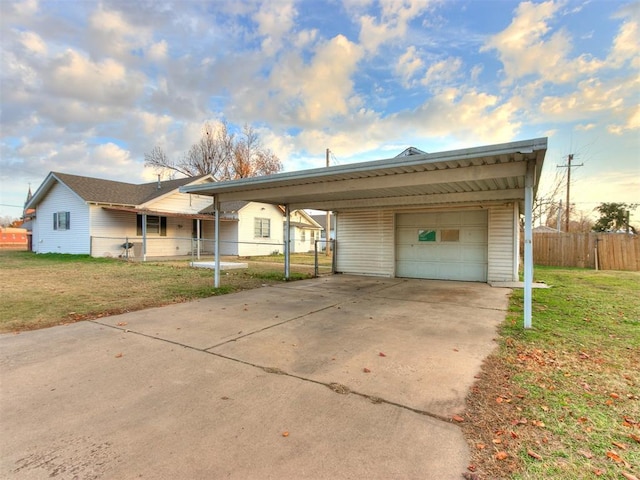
{"points": [[51, 289], [577, 374]]}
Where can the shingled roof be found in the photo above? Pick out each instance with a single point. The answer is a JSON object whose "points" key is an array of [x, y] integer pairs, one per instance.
{"points": [[97, 190]]}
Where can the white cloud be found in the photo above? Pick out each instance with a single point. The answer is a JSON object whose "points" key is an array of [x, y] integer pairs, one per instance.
{"points": [[408, 65], [625, 46], [275, 20], [442, 72], [33, 42], [528, 47], [391, 24], [75, 76]]}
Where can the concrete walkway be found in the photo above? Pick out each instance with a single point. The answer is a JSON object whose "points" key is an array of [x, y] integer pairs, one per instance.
{"points": [[337, 377]]}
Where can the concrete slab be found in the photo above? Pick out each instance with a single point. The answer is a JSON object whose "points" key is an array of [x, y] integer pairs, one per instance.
{"points": [[206, 389], [223, 265]]}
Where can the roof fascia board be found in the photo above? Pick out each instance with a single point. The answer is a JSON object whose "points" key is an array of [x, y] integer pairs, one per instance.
{"points": [[399, 180], [524, 146], [197, 181], [46, 186], [515, 194]]}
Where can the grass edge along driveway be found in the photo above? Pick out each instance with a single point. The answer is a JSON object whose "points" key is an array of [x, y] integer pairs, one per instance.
{"points": [[562, 400]]}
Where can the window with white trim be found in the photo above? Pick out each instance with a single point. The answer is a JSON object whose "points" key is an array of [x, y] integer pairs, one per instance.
{"points": [[155, 225], [62, 220], [262, 227]]}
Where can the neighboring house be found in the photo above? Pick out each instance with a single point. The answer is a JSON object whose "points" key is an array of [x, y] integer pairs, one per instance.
{"points": [[305, 230], [322, 221], [12, 238], [250, 228], [83, 215]]}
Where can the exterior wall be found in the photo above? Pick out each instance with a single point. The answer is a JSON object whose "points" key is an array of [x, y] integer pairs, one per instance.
{"points": [[181, 203], [365, 244], [75, 240], [503, 246], [229, 238], [249, 245]]}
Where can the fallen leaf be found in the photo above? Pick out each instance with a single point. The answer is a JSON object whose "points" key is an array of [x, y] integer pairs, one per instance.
{"points": [[381, 354], [597, 472], [118, 355], [285, 434], [621, 446], [629, 476], [533, 454], [456, 350], [614, 456], [614, 395], [586, 453], [501, 455], [480, 446], [635, 437], [457, 418], [538, 423], [366, 370], [121, 324], [497, 441], [224, 398], [472, 468], [499, 400]]}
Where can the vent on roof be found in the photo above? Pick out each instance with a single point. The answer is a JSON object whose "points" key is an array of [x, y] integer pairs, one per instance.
{"points": [[159, 185]]}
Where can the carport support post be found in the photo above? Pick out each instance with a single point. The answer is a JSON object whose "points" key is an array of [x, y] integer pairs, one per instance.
{"points": [[287, 243], [528, 241], [216, 247]]}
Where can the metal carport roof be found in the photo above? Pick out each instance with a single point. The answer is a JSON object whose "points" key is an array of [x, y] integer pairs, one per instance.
{"points": [[494, 173]]}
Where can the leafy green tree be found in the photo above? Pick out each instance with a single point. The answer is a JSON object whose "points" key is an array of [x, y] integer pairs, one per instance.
{"points": [[614, 216]]}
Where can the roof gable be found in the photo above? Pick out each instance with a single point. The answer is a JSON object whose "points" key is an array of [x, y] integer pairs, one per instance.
{"points": [[110, 192]]}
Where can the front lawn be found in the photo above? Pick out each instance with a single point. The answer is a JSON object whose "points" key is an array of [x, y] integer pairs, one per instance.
{"points": [[51, 289]]}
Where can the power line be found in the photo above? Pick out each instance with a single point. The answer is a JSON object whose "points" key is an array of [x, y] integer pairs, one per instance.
{"points": [[568, 166]]}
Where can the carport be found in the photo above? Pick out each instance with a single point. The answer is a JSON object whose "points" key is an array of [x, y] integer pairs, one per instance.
{"points": [[450, 215]]}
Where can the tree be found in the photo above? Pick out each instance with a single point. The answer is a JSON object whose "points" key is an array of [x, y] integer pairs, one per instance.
{"points": [[221, 154], [614, 217]]}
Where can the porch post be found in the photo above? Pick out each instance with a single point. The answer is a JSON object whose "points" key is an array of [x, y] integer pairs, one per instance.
{"points": [[144, 237], [216, 209], [528, 241], [198, 237], [287, 240]]}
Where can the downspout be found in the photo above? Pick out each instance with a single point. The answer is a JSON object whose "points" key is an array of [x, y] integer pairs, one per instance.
{"points": [[144, 237], [216, 248], [287, 240], [528, 241]]}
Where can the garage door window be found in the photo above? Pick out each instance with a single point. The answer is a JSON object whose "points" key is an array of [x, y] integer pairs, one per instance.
{"points": [[450, 235]]}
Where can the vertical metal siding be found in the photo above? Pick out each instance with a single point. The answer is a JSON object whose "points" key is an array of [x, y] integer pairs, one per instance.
{"points": [[502, 244], [365, 243]]}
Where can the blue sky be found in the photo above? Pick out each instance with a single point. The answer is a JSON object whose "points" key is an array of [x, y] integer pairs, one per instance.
{"points": [[88, 87]]}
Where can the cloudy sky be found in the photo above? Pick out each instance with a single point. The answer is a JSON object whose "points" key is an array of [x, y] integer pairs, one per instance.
{"points": [[87, 87]]}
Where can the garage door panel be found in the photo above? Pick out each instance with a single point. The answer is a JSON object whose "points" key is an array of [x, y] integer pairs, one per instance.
{"points": [[458, 253]]}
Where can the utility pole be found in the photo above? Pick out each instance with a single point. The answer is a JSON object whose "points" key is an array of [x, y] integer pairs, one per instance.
{"points": [[568, 166], [327, 230]]}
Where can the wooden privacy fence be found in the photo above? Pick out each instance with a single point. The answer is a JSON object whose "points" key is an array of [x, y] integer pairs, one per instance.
{"points": [[615, 251]]}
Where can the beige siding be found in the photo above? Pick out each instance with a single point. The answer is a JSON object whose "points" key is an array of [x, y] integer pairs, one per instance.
{"points": [[502, 244], [366, 243], [181, 203]]}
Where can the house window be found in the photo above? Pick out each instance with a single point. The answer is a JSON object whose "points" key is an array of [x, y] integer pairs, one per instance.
{"points": [[155, 225], [62, 220], [303, 236], [262, 227]]}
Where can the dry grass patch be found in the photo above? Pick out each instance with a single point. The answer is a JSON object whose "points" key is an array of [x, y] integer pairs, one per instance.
{"points": [[45, 290]]}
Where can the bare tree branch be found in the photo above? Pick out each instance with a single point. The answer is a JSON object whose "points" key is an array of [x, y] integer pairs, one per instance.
{"points": [[221, 154]]}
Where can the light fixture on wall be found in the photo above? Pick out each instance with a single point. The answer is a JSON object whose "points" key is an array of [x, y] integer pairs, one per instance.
{"points": [[179, 226]]}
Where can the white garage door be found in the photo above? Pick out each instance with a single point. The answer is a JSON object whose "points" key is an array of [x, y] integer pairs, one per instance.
{"points": [[444, 246]]}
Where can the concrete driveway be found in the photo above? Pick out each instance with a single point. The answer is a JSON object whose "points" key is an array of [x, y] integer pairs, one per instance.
{"points": [[336, 377]]}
